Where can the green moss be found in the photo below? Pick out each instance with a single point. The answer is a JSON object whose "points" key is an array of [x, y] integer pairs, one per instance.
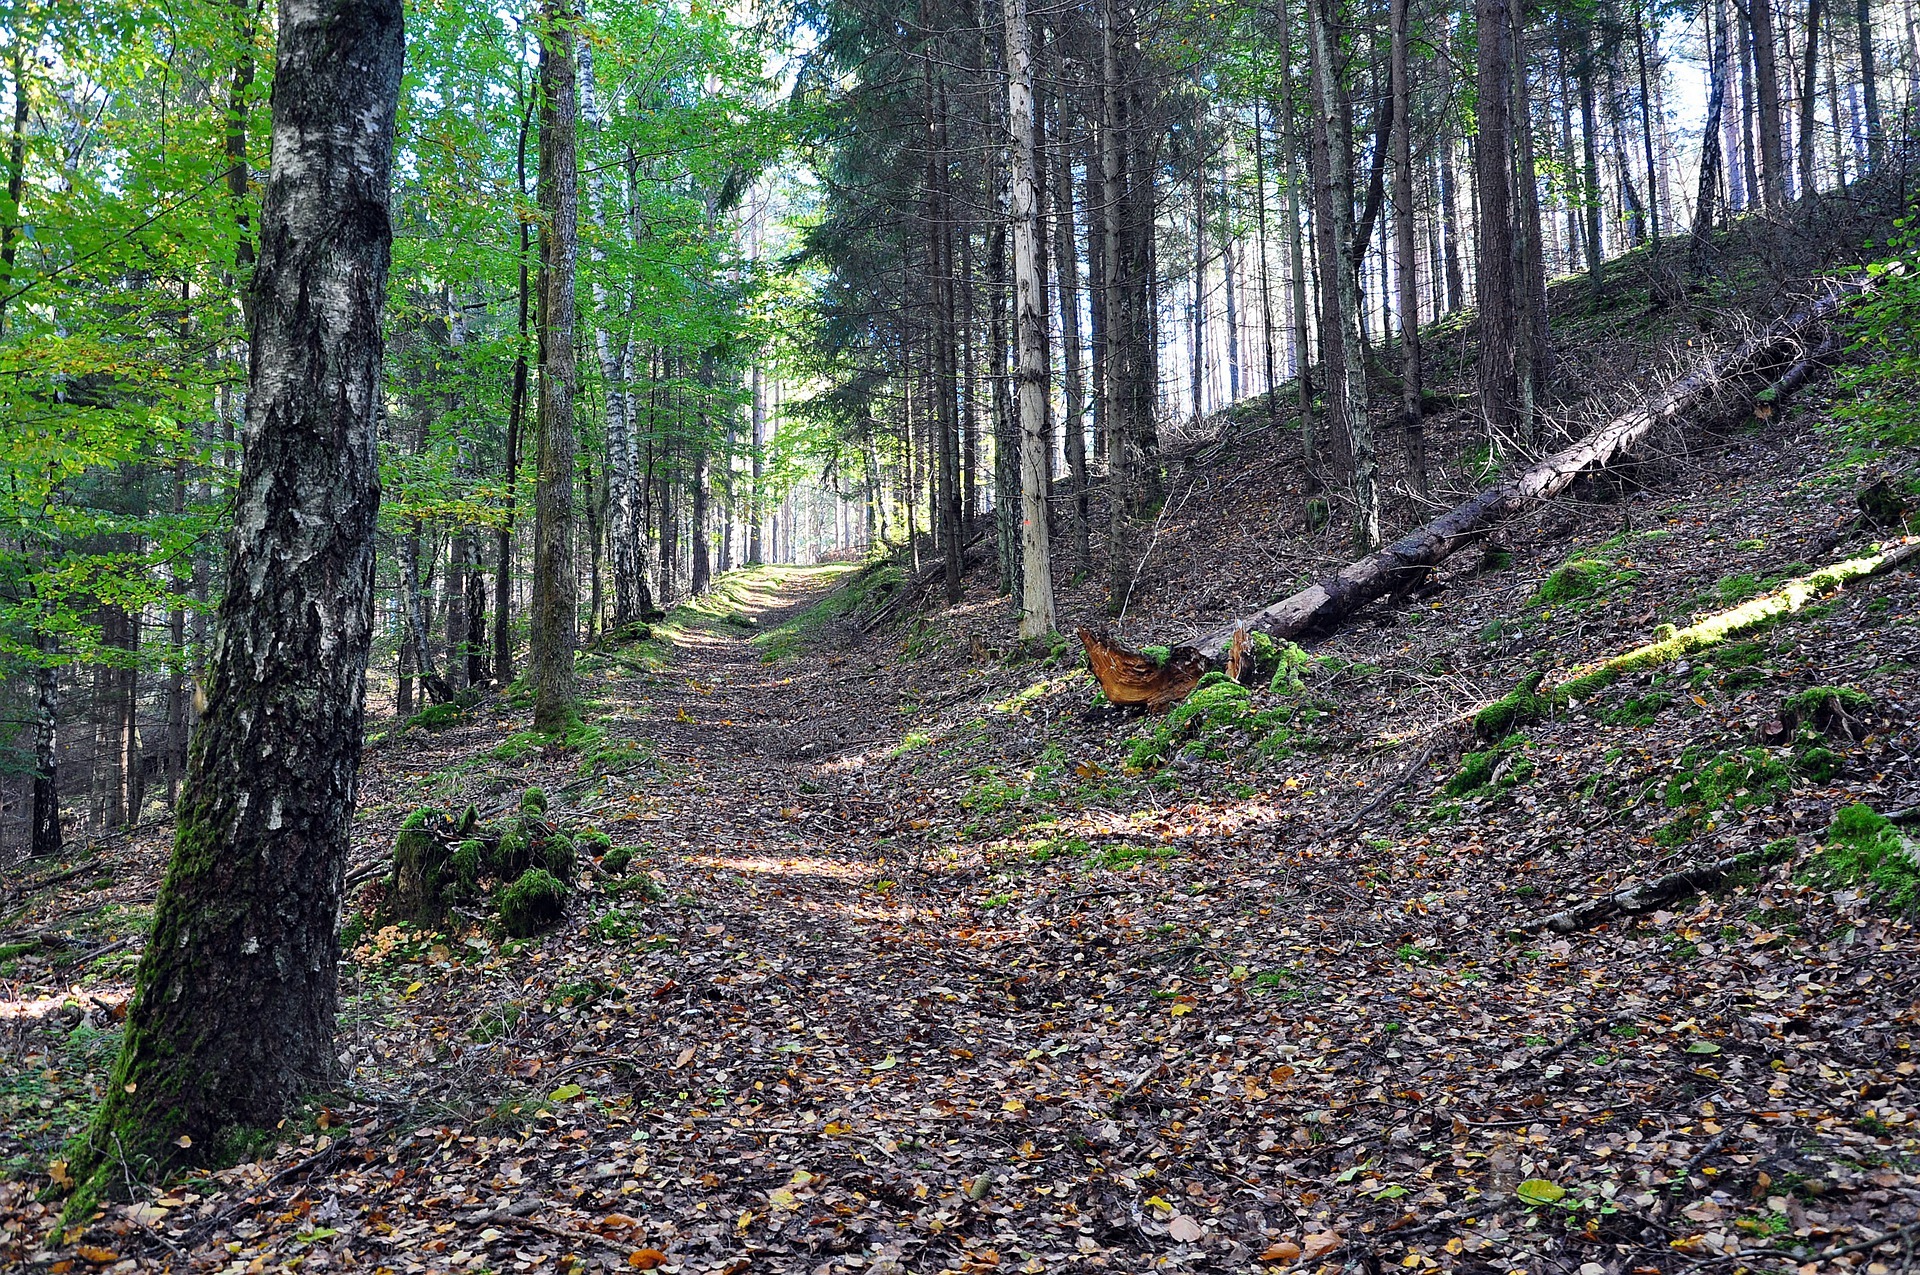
{"points": [[1518, 708], [1739, 780], [1866, 850], [1818, 701], [533, 902], [592, 841], [1491, 770], [534, 801], [1637, 710], [1578, 579], [1158, 654], [468, 862], [617, 860], [436, 717], [557, 855]]}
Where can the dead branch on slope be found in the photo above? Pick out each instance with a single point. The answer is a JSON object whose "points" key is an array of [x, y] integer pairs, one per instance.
{"points": [[1728, 384]]}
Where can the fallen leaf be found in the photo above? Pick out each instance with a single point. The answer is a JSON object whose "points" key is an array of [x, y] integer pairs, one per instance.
{"points": [[685, 1057], [646, 1259], [98, 1256], [1540, 1191], [1283, 1251], [1185, 1230], [565, 1093], [1319, 1244]]}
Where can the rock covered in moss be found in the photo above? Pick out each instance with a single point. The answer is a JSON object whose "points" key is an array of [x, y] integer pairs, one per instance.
{"points": [[617, 860], [533, 802]]}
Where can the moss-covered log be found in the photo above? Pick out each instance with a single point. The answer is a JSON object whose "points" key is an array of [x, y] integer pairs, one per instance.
{"points": [[234, 1002], [1585, 682]]}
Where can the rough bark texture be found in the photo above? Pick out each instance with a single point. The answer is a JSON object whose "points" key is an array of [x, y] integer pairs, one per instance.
{"points": [[1030, 334], [555, 590], [233, 1011], [1350, 408], [1729, 382], [1496, 286], [1766, 78], [1411, 425]]}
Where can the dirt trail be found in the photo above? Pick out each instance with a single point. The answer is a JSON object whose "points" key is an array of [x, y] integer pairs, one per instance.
{"points": [[889, 992]]}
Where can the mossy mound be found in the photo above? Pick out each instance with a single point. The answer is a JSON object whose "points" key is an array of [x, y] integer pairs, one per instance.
{"points": [[534, 901], [436, 717], [441, 860], [1866, 850], [1578, 579], [1837, 712], [617, 860], [1518, 708]]}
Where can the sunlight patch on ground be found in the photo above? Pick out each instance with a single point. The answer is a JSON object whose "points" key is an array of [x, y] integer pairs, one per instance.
{"points": [[768, 865]]}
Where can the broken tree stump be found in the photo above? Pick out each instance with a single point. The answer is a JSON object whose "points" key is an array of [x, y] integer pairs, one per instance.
{"points": [[1131, 678]]}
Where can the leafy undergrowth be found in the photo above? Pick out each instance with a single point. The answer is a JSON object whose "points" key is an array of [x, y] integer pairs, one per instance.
{"points": [[909, 955]]}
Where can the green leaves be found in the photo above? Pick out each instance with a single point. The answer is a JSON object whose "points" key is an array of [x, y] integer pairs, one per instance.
{"points": [[1540, 1191]]}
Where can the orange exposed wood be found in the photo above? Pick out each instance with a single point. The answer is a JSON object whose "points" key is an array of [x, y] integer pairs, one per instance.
{"points": [[1130, 678]]}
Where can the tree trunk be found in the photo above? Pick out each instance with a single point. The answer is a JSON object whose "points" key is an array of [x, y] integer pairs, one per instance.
{"points": [[1496, 286], [1066, 274], [1030, 333], [1533, 361], [1646, 135], [1869, 79], [1117, 346], [1705, 200], [1809, 81], [1590, 176], [1410, 383], [553, 619], [1266, 282], [1335, 207], [233, 1010], [1766, 75], [1197, 363], [46, 753], [516, 416], [16, 170], [758, 421]]}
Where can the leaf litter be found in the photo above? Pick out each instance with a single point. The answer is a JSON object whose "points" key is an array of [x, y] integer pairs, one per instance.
{"points": [[911, 971]]}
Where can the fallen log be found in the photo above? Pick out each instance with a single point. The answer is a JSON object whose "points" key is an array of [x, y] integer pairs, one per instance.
{"points": [[1583, 683], [1649, 895], [1736, 378]]}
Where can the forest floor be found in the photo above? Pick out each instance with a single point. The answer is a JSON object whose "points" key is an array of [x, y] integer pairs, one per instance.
{"points": [[928, 961]]}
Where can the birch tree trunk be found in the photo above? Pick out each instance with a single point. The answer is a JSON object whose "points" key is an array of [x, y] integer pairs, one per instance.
{"points": [[1030, 334], [234, 1002]]}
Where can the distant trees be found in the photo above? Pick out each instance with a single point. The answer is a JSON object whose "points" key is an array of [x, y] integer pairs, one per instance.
{"points": [[1264, 186]]}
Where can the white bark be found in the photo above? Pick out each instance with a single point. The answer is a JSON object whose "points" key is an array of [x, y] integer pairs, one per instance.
{"points": [[1036, 586]]}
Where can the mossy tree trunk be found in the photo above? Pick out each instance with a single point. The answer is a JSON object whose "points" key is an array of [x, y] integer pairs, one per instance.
{"points": [[233, 1011], [552, 621]]}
